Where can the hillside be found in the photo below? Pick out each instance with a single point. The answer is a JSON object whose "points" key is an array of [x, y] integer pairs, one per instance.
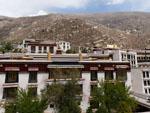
{"points": [[127, 30]]}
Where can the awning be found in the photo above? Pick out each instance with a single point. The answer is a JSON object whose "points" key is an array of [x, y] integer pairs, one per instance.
{"points": [[12, 69], [33, 69], [65, 66]]}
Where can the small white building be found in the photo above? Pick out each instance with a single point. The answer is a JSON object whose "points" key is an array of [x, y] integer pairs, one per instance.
{"points": [[141, 74], [38, 46], [64, 46], [119, 54], [44, 46]]}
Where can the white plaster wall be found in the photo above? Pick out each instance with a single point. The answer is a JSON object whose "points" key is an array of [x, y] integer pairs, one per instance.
{"points": [[2, 81], [114, 75], [55, 49], [137, 80], [101, 76], [29, 49], [36, 49], [61, 45], [86, 91], [129, 80], [47, 49], [41, 78], [136, 63], [23, 80], [117, 55]]}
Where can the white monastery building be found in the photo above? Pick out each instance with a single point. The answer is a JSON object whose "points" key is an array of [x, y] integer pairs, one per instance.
{"points": [[35, 72]]}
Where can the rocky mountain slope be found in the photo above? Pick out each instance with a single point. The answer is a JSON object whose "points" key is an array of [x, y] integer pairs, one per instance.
{"points": [[127, 30]]}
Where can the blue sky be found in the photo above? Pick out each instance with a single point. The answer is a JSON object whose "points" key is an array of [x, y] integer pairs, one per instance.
{"points": [[17, 8]]}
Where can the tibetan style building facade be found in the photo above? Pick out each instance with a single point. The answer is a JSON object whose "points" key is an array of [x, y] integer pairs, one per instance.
{"points": [[36, 71], [42, 46]]}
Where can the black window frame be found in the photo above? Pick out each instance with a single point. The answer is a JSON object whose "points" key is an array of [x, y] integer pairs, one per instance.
{"points": [[45, 49], [33, 49], [111, 73], [144, 76], [7, 95], [51, 49], [145, 83], [121, 74], [9, 74], [33, 91], [51, 75], [94, 75], [34, 79], [147, 74], [146, 91]]}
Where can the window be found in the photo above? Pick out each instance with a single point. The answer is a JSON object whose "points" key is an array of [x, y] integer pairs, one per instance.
{"points": [[109, 75], [51, 75], [93, 88], [134, 57], [146, 91], [45, 49], [51, 105], [51, 49], [93, 75], [148, 82], [149, 90], [134, 62], [128, 57], [144, 74], [11, 77], [121, 74], [32, 49], [147, 74], [64, 47], [145, 83], [33, 91], [9, 93], [33, 77], [122, 56], [40, 49]]}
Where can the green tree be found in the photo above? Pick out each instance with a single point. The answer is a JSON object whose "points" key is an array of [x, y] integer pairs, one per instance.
{"points": [[112, 98], [26, 103], [6, 47], [63, 96], [68, 102], [71, 51], [53, 93]]}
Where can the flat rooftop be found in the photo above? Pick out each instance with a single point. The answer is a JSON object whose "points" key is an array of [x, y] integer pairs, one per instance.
{"points": [[43, 58]]}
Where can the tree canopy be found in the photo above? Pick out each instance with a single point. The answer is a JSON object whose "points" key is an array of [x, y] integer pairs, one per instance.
{"points": [[6, 47], [26, 103], [63, 96], [112, 98]]}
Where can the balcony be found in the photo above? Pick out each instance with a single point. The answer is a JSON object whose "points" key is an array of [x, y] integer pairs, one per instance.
{"points": [[9, 85], [63, 80], [32, 84]]}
